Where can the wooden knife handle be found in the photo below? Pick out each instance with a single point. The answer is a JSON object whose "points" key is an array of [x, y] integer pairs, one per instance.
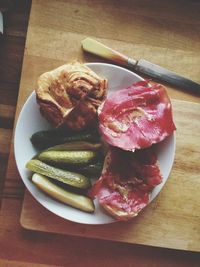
{"points": [[99, 49]]}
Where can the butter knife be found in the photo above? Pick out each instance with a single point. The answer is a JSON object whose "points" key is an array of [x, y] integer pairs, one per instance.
{"points": [[142, 65], [1, 23]]}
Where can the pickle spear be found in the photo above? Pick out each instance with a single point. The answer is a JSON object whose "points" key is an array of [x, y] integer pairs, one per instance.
{"points": [[75, 158], [79, 145], [77, 201], [91, 169], [71, 178]]}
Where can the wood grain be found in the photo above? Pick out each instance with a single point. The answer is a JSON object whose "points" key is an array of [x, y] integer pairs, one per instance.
{"points": [[8, 263], [166, 33], [132, 21], [61, 250], [11, 56], [161, 224], [5, 138]]}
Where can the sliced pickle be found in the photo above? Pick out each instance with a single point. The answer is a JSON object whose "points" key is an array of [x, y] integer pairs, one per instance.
{"points": [[78, 158], [81, 202], [92, 169], [71, 178], [81, 145]]}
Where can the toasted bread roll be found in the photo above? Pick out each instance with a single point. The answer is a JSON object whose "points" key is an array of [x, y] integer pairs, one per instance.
{"points": [[71, 94]]}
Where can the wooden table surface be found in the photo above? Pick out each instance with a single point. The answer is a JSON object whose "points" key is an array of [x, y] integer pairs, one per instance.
{"points": [[162, 29]]}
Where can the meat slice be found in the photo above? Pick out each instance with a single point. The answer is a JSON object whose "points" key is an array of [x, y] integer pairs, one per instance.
{"points": [[136, 117], [127, 180]]}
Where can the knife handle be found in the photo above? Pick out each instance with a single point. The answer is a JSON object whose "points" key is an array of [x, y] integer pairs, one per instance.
{"points": [[99, 49]]}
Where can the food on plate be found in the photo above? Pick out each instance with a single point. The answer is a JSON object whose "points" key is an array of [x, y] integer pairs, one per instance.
{"points": [[75, 158], [71, 94], [127, 180], [67, 177], [56, 136], [121, 152], [93, 170], [136, 117], [79, 145], [78, 201], [82, 156], [64, 171]]}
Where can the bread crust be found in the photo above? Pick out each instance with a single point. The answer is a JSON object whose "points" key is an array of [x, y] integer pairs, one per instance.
{"points": [[70, 94], [120, 215]]}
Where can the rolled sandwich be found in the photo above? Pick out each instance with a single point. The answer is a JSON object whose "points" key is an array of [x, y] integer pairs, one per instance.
{"points": [[71, 95]]}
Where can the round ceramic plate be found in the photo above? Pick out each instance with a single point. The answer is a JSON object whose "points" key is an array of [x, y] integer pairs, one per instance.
{"points": [[31, 121]]}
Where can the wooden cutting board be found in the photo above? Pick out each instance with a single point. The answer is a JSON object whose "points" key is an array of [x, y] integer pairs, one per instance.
{"points": [[172, 220], [158, 33]]}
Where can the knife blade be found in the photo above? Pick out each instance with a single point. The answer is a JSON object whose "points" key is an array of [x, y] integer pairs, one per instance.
{"points": [[1, 23], [142, 65]]}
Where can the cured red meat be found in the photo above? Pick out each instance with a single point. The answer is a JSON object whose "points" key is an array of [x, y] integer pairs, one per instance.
{"points": [[126, 182], [136, 117]]}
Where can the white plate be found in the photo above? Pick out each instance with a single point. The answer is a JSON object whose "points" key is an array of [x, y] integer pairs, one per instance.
{"points": [[31, 121]]}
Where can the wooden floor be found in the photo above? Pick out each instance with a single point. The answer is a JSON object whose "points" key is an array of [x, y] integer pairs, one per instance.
{"points": [[12, 46]]}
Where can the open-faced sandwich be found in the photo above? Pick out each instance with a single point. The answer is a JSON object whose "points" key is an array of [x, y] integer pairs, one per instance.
{"points": [[131, 120]]}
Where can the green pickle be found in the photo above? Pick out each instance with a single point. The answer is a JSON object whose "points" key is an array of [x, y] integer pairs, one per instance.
{"points": [[73, 146], [52, 137], [92, 169], [75, 158], [63, 168], [71, 178]]}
